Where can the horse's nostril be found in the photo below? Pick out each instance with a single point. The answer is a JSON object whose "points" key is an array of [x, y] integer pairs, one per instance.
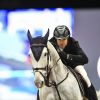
{"points": [[39, 84]]}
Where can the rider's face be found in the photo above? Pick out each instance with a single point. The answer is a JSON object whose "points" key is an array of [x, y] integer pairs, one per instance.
{"points": [[62, 43]]}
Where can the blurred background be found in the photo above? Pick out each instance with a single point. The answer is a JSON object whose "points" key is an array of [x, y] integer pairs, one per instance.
{"points": [[16, 77]]}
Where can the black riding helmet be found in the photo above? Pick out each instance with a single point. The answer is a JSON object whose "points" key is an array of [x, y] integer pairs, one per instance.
{"points": [[61, 32]]}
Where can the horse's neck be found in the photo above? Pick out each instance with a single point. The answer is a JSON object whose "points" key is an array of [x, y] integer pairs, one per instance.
{"points": [[58, 71]]}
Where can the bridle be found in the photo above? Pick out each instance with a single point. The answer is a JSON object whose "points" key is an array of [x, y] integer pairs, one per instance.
{"points": [[48, 70]]}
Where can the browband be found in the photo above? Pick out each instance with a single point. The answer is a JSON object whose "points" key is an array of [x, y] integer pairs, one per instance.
{"points": [[36, 45]]}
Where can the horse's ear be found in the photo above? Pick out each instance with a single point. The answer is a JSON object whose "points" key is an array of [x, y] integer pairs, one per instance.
{"points": [[29, 35], [47, 35]]}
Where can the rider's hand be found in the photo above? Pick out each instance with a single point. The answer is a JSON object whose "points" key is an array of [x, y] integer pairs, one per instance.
{"points": [[69, 56], [62, 54]]}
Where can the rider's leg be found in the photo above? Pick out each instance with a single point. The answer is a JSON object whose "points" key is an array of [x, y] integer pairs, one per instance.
{"points": [[80, 69], [91, 90]]}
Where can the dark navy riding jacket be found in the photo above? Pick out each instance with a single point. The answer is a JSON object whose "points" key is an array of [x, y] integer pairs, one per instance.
{"points": [[77, 55]]}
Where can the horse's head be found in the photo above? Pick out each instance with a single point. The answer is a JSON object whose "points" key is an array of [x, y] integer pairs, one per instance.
{"points": [[40, 58]]}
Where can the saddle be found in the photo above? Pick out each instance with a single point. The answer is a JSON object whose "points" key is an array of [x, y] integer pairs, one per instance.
{"points": [[82, 84]]}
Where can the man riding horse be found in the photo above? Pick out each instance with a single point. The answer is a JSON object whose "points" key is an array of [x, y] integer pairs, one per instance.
{"points": [[72, 55]]}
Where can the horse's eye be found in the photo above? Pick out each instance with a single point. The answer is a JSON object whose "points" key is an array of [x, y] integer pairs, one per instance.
{"points": [[45, 54], [29, 55]]}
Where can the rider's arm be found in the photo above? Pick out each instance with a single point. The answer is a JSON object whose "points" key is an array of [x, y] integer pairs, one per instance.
{"points": [[78, 58]]}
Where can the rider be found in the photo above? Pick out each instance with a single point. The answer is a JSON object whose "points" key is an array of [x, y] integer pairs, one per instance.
{"points": [[71, 53]]}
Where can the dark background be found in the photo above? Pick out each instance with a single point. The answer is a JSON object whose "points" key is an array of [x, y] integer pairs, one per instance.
{"points": [[12, 4]]}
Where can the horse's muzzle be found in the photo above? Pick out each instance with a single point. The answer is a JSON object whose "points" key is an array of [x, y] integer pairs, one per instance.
{"points": [[39, 84]]}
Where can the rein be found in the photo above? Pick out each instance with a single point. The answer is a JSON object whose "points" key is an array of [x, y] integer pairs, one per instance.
{"points": [[53, 83], [57, 84]]}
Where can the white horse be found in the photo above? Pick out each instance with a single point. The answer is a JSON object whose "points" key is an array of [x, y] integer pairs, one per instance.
{"points": [[53, 79]]}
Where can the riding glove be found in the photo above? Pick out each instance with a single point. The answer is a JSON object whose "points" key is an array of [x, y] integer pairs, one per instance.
{"points": [[63, 55]]}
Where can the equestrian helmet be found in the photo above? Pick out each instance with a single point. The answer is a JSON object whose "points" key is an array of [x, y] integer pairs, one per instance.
{"points": [[61, 32]]}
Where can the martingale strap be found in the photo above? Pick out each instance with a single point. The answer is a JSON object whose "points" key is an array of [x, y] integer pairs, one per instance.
{"points": [[57, 84]]}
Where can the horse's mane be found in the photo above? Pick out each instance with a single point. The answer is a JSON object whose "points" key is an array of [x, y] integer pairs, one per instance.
{"points": [[53, 51], [55, 55]]}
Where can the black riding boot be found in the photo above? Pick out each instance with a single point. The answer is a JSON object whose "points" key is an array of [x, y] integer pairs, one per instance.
{"points": [[92, 95]]}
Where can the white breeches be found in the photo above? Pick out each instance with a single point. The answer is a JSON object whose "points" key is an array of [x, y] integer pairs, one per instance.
{"points": [[80, 69]]}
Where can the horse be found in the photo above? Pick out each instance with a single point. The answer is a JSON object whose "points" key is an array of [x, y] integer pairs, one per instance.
{"points": [[52, 78]]}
